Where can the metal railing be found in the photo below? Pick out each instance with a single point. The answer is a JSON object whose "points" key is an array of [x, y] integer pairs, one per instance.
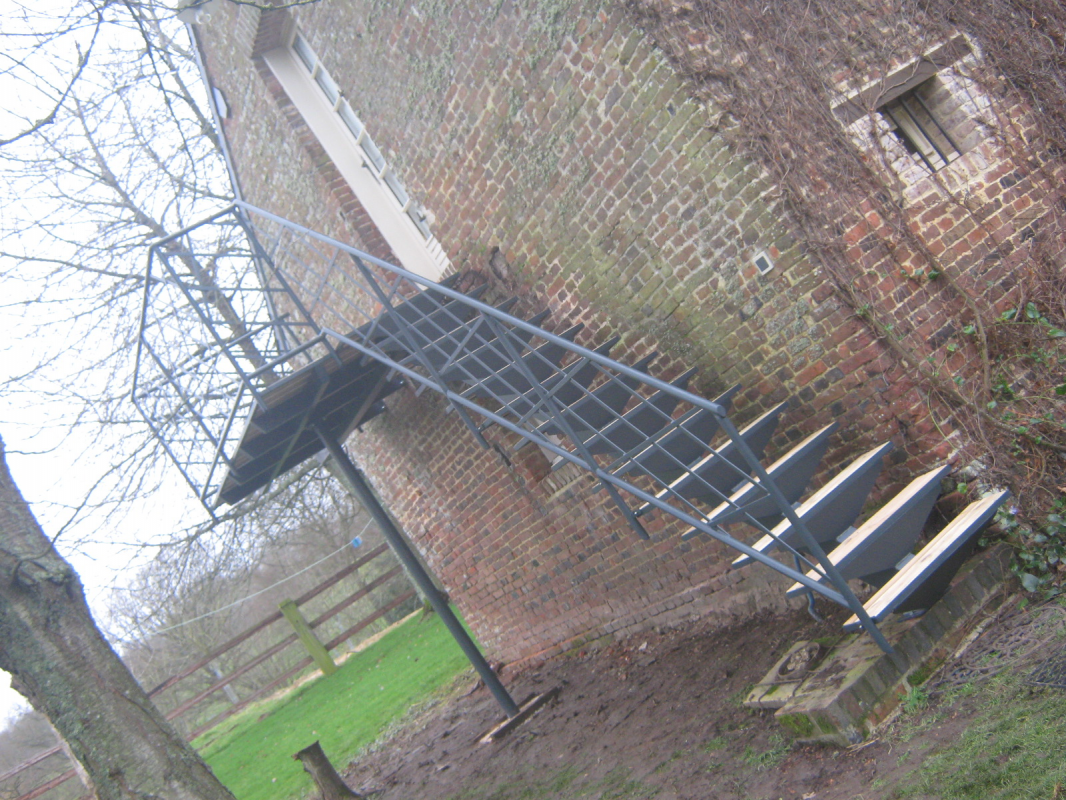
{"points": [[303, 296]]}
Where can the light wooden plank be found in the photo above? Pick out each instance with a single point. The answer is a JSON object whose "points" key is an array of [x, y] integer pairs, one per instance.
{"points": [[883, 515], [769, 540], [925, 563]]}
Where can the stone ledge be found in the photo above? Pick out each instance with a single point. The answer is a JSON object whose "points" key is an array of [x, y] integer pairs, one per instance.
{"points": [[857, 685]]}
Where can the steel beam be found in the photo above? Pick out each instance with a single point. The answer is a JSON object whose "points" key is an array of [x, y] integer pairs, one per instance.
{"points": [[358, 486]]}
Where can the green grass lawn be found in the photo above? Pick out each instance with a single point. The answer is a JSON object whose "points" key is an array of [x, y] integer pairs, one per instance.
{"points": [[252, 756], [1014, 750]]}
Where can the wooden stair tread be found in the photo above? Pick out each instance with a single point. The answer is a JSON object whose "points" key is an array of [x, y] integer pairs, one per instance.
{"points": [[767, 541], [883, 515], [914, 570]]}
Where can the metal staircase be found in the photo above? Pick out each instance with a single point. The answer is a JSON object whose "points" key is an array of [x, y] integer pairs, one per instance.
{"points": [[338, 330]]}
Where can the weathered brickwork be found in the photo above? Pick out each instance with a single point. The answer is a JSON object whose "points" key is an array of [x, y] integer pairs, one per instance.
{"points": [[562, 159]]}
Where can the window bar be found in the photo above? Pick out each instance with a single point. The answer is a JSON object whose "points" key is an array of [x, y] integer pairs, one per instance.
{"points": [[903, 101], [917, 148], [943, 131]]}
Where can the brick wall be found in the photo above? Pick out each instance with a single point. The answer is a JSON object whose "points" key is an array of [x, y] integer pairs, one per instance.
{"points": [[561, 158]]}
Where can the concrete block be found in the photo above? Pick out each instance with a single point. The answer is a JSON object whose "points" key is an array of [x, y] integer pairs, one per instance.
{"points": [[856, 685]]}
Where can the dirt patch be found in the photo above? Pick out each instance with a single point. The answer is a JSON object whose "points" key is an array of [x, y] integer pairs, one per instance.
{"points": [[657, 716]]}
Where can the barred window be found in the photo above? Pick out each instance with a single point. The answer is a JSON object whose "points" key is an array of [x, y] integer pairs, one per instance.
{"points": [[916, 125]]}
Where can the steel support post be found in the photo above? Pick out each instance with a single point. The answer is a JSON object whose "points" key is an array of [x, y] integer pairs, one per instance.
{"points": [[358, 486]]}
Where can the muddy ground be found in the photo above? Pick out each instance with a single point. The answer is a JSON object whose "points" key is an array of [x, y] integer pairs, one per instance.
{"points": [[658, 715]]}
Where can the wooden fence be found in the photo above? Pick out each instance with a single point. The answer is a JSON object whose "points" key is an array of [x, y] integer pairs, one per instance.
{"points": [[394, 574]]}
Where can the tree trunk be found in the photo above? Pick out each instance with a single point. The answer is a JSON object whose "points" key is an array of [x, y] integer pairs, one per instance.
{"points": [[329, 783], [66, 669]]}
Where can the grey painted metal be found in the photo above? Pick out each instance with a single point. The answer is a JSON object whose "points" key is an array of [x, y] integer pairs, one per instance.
{"points": [[601, 406], [555, 414], [926, 577], [564, 389], [697, 524], [408, 334], [444, 352], [712, 477], [358, 486], [792, 473], [539, 378], [487, 310], [632, 430], [829, 570], [485, 360], [830, 512], [523, 371], [873, 551]]}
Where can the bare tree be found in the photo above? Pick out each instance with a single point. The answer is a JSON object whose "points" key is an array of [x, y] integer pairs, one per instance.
{"points": [[128, 155], [114, 150], [45, 55], [67, 670]]}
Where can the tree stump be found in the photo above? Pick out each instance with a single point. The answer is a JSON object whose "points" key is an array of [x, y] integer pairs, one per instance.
{"points": [[330, 784]]}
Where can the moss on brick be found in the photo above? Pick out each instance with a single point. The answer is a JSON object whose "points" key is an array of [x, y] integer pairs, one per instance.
{"points": [[799, 725]]}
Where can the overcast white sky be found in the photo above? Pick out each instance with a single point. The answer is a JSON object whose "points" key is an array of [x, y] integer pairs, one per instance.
{"points": [[53, 465]]}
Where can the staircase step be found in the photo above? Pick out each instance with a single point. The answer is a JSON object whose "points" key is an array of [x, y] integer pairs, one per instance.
{"points": [[873, 550], [926, 577], [541, 363], [566, 387], [409, 320], [711, 476], [491, 357], [417, 306], [683, 441], [644, 420], [831, 510], [461, 342], [791, 474], [601, 406]]}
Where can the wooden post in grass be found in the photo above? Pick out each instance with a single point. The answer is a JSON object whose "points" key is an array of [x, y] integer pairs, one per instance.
{"points": [[324, 775], [318, 652]]}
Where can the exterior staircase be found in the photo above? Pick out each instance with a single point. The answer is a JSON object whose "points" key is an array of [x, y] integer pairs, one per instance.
{"points": [[348, 328]]}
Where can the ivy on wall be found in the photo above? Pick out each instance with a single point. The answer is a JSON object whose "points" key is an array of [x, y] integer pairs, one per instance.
{"points": [[957, 268]]}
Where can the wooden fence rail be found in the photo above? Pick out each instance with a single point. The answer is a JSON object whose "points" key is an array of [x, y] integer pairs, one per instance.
{"points": [[243, 669]]}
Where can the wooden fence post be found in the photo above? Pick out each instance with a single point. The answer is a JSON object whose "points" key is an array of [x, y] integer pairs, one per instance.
{"points": [[319, 653]]}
